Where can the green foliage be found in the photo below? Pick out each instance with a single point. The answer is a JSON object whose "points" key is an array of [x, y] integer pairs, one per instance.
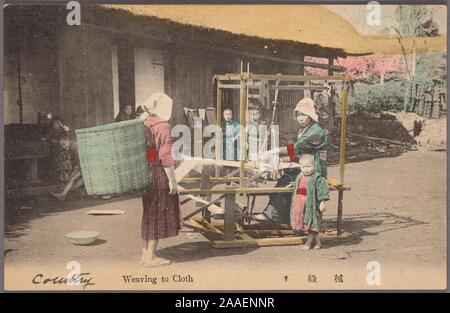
{"points": [[376, 98], [431, 66]]}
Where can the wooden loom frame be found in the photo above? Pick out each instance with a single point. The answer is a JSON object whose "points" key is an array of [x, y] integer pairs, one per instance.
{"points": [[232, 233]]}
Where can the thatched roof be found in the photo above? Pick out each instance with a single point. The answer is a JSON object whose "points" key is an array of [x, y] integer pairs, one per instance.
{"points": [[304, 24], [390, 45]]}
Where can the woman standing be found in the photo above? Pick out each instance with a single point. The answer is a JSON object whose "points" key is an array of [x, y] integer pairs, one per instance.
{"points": [[311, 139], [161, 214]]}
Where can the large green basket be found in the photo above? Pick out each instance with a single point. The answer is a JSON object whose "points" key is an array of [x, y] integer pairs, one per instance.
{"points": [[113, 157]]}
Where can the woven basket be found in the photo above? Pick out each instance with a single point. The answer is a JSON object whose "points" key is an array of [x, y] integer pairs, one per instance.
{"points": [[112, 157]]}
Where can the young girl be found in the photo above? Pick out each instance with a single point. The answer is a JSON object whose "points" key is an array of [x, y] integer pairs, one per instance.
{"points": [[308, 201], [257, 130], [230, 133]]}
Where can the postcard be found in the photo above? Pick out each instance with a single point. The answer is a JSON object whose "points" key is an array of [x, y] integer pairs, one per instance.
{"points": [[225, 147]]}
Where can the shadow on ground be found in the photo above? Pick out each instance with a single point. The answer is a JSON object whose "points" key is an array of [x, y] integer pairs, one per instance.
{"points": [[17, 221], [358, 226], [355, 226], [196, 251]]}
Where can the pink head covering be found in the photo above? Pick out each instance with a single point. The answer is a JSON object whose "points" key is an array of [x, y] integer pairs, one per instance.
{"points": [[306, 106]]}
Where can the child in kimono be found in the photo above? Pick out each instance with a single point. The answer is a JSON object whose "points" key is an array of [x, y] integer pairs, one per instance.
{"points": [[230, 133], [75, 180], [308, 201], [257, 131], [58, 138]]}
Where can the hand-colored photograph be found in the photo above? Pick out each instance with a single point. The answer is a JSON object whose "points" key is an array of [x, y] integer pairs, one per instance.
{"points": [[225, 147]]}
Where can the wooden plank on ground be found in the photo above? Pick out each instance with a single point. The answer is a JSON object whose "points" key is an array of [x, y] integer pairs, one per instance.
{"points": [[106, 212], [208, 226], [262, 242]]}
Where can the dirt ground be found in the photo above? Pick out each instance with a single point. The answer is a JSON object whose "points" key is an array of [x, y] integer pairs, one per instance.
{"points": [[395, 214]]}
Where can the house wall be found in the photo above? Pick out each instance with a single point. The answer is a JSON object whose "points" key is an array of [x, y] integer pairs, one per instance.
{"points": [[71, 74], [188, 71], [36, 48], [190, 76], [85, 76]]}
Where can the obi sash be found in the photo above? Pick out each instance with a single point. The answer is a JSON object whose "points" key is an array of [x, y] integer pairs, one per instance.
{"points": [[301, 191], [152, 155]]}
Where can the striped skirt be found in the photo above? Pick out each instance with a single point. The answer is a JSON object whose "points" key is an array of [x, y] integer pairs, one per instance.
{"points": [[161, 214]]}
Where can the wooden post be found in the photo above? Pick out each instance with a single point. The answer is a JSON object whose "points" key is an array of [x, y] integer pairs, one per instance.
{"points": [[243, 135], [219, 135], [339, 213], [301, 67], [230, 214], [343, 136], [205, 184], [19, 82], [330, 101], [34, 171], [302, 72]]}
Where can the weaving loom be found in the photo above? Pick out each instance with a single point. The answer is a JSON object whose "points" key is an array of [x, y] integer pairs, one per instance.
{"points": [[234, 232]]}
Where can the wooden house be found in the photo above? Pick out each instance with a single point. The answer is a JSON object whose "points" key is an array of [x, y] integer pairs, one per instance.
{"points": [[120, 54]]}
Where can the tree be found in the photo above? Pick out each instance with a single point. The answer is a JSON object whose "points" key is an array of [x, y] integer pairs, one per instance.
{"points": [[363, 67], [385, 64], [356, 66], [413, 21]]}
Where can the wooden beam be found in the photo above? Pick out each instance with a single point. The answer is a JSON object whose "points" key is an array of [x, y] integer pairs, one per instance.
{"points": [[26, 191], [234, 191], [262, 242], [206, 205], [287, 61], [330, 100], [279, 87], [230, 217], [206, 225], [212, 179], [281, 77], [336, 78], [301, 68], [395, 142], [265, 232], [251, 191], [243, 135], [219, 138], [340, 211], [294, 87]]}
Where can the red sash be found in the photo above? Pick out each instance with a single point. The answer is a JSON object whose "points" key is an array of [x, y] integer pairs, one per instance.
{"points": [[152, 155], [301, 191]]}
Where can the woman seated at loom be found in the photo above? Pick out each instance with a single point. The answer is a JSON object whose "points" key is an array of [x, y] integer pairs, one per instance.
{"points": [[311, 139]]}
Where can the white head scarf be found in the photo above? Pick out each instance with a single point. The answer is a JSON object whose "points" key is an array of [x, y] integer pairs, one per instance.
{"points": [[306, 106], [159, 104]]}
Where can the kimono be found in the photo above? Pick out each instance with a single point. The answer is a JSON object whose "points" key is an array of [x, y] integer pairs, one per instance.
{"points": [[231, 149], [308, 192], [311, 140], [64, 159], [161, 213]]}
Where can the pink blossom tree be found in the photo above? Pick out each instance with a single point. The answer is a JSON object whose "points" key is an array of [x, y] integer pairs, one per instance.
{"points": [[362, 66], [385, 64]]}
